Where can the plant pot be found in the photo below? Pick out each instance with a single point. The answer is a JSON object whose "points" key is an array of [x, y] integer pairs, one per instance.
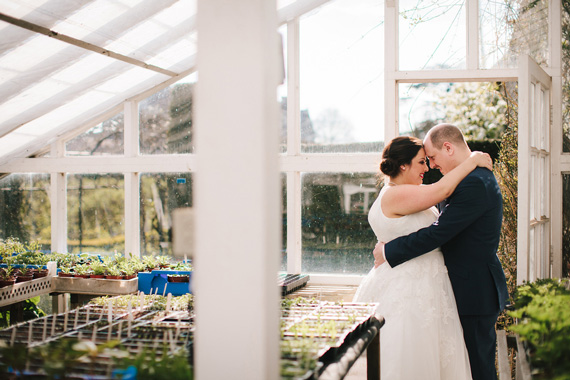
{"points": [[109, 277], [130, 276], [61, 274], [21, 278], [41, 273], [8, 282], [97, 276], [83, 275]]}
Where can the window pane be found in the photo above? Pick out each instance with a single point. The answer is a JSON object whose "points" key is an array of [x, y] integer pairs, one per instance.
{"points": [[341, 77], [531, 256], [283, 266], [282, 93], [160, 194], [565, 83], [432, 35], [95, 213], [496, 31], [105, 138], [336, 235], [25, 208], [478, 109], [566, 225], [165, 119]]}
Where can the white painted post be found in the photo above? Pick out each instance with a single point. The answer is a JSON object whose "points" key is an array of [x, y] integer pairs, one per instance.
{"points": [[391, 51], [472, 15], [132, 185], [237, 193], [294, 229], [58, 199]]}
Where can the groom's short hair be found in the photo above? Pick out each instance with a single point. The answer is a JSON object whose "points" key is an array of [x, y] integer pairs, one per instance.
{"points": [[445, 133]]}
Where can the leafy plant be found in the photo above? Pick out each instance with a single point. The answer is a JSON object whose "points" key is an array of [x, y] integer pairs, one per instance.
{"points": [[25, 271], [113, 271], [153, 365], [543, 312], [15, 356], [7, 273], [97, 267]]}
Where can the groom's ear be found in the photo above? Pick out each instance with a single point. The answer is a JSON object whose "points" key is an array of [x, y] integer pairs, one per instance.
{"points": [[448, 148]]}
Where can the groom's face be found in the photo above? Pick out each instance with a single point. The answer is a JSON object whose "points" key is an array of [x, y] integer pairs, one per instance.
{"points": [[438, 158]]}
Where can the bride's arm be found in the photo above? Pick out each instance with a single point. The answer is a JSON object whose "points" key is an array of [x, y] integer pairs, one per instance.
{"points": [[409, 199]]}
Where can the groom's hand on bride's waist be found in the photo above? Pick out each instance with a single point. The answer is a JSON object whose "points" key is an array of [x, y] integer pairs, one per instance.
{"points": [[379, 257]]}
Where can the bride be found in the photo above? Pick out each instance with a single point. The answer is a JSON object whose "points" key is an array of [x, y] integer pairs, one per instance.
{"points": [[422, 337]]}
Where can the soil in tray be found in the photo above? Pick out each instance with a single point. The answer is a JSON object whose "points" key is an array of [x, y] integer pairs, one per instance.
{"points": [[178, 278], [4, 283]]}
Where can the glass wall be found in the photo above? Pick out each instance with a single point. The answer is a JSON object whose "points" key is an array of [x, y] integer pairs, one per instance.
{"points": [[165, 119], [341, 77], [336, 236], [160, 195], [478, 109], [565, 80], [283, 261], [95, 213], [566, 225], [432, 35], [106, 138], [282, 93], [25, 208]]}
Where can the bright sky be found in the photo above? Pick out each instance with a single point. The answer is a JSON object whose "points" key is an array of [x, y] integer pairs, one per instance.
{"points": [[342, 57]]}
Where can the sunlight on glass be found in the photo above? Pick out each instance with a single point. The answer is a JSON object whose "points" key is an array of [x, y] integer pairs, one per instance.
{"points": [[341, 77], [336, 236], [106, 138], [165, 119], [160, 195], [95, 213], [432, 35], [25, 208]]}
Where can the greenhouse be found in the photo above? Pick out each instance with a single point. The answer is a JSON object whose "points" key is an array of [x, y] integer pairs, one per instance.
{"points": [[235, 146]]}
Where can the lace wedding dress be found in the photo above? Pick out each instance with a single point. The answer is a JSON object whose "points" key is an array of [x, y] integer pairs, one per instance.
{"points": [[422, 338]]}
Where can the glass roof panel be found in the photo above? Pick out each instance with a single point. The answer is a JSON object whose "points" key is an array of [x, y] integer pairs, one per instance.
{"points": [[49, 87]]}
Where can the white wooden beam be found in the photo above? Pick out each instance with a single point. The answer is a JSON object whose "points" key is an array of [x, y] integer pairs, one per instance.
{"points": [[132, 182], [435, 76], [472, 15], [332, 163], [167, 163], [391, 52], [557, 157], [237, 191], [294, 228], [58, 199], [82, 44]]}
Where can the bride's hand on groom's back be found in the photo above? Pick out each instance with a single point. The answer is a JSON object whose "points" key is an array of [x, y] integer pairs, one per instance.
{"points": [[378, 253]]}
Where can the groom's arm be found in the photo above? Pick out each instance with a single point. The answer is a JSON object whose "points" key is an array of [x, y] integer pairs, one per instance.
{"points": [[467, 204]]}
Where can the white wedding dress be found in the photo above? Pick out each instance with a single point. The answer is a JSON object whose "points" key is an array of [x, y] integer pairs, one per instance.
{"points": [[422, 338]]}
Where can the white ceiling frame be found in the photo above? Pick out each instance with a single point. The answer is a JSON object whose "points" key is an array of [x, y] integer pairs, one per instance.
{"points": [[39, 147], [67, 132], [170, 163], [82, 44]]}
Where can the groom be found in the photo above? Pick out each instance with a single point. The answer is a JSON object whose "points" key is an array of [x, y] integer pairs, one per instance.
{"points": [[468, 232]]}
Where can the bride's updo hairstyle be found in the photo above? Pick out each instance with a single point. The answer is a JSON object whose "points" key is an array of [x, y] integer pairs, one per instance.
{"points": [[400, 151]]}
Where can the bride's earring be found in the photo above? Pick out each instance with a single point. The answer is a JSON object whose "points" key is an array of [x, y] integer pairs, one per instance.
{"points": [[403, 167]]}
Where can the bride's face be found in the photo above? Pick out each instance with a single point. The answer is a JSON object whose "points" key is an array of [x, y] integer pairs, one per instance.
{"points": [[414, 172]]}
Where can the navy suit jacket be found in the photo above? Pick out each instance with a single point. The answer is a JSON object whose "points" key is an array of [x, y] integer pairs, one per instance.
{"points": [[468, 231]]}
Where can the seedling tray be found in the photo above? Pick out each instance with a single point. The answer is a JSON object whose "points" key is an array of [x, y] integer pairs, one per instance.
{"points": [[156, 282]]}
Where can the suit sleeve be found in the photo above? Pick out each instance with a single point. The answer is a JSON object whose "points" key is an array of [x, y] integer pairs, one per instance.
{"points": [[467, 204]]}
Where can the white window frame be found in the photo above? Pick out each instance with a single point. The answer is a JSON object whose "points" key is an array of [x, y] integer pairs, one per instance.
{"points": [[293, 163], [534, 183]]}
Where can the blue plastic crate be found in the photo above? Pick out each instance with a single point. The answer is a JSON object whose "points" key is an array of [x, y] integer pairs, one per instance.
{"points": [[157, 280]]}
